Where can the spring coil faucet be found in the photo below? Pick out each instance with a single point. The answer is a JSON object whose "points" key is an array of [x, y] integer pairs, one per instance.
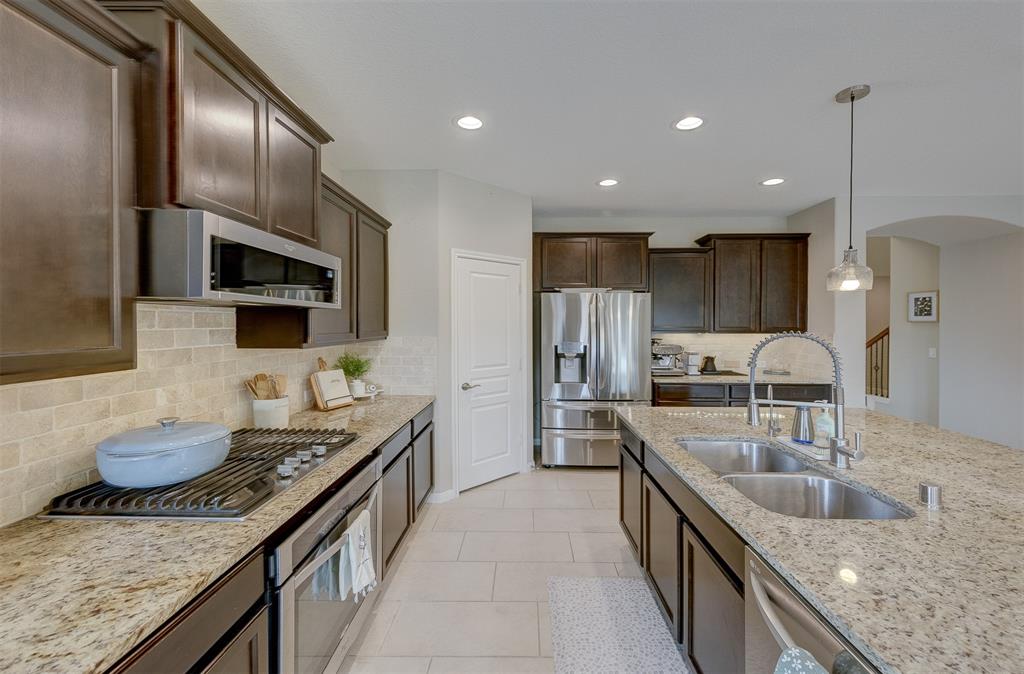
{"points": [[839, 450]]}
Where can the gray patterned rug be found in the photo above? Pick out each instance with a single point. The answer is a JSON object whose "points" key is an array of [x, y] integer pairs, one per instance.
{"points": [[609, 625]]}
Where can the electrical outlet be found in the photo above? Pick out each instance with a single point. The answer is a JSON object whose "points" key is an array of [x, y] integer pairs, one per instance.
{"points": [[933, 352], [307, 396]]}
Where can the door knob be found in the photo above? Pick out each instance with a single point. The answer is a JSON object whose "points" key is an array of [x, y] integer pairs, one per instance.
{"points": [[466, 386]]}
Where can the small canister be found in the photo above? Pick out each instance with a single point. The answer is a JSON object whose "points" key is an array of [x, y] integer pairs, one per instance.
{"points": [[803, 429]]}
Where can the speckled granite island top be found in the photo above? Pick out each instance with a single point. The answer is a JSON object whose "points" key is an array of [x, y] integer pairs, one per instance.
{"points": [[939, 592], [76, 595]]}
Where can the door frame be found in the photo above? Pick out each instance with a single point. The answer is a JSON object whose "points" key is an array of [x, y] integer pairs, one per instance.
{"points": [[524, 355]]}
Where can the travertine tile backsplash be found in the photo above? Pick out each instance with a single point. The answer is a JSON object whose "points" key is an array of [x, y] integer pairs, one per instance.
{"points": [[188, 366], [805, 360]]}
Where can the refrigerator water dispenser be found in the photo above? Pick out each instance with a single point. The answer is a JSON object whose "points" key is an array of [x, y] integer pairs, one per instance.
{"points": [[570, 363]]}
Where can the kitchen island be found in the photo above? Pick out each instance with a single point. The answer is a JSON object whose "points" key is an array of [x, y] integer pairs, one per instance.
{"points": [[938, 592], [77, 595]]}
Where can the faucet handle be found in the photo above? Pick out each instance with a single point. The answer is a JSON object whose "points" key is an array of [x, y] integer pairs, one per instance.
{"points": [[858, 451]]}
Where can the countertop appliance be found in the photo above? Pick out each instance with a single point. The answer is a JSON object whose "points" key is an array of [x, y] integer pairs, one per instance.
{"points": [[594, 355], [199, 256], [665, 356], [691, 362], [776, 619], [317, 620], [260, 464]]}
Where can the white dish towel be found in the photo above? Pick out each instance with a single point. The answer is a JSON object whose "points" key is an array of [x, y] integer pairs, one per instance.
{"points": [[355, 571]]}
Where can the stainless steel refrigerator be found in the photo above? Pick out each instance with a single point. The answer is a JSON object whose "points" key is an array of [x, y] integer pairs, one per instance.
{"points": [[595, 355]]}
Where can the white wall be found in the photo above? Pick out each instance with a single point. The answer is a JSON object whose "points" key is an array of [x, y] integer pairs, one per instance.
{"points": [[433, 212], [669, 232], [481, 218], [981, 327], [878, 306], [409, 200], [820, 221], [913, 375]]}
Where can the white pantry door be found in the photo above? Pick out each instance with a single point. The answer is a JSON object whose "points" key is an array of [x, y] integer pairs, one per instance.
{"points": [[490, 386]]}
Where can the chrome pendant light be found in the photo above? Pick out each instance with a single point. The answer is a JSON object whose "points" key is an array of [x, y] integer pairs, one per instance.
{"points": [[850, 274]]}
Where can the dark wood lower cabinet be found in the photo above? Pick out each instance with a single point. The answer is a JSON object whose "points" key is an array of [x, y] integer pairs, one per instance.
{"points": [[249, 652], [662, 530], [630, 485], [396, 505], [713, 612], [422, 467]]}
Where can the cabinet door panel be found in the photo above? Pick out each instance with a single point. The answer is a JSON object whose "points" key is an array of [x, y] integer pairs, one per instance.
{"points": [[423, 467], [737, 285], [630, 498], [783, 285], [293, 179], [396, 507], [681, 291], [249, 652], [662, 532], [566, 262], [372, 275], [337, 237], [621, 262], [67, 191], [221, 135], [713, 624]]}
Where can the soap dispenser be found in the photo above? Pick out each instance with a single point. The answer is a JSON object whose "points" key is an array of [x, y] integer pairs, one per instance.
{"points": [[824, 428]]}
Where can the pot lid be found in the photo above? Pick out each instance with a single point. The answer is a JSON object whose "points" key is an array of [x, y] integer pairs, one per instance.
{"points": [[171, 434]]}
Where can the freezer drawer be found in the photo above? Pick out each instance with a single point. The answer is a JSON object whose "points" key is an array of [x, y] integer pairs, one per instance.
{"points": [[579, 415], [579, 448]]}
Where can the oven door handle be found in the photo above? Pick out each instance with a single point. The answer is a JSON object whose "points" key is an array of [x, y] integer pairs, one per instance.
{"points": [[311, 567]]}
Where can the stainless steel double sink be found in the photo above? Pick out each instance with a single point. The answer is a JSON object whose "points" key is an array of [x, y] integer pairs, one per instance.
{"points": [[783, 483]]}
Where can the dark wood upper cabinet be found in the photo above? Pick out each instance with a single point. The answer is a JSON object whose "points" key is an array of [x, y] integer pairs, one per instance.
{"points": [[760, 281], [682, 284], [566, 262], [737, 285], [616, 261], [293, 175], [783, 285], [621, 262], [215, 132], [337, 237], [67, 192], [372, 278], [220, 136]]}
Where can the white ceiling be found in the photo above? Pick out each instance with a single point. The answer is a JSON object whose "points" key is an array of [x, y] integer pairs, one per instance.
{"points": [[571, 92]]}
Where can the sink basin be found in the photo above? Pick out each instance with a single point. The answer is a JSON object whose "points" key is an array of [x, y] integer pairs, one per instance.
{"points": [[813, 496], [742, 457]]}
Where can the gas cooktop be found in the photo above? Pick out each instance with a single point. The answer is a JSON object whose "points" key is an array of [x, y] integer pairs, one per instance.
{"points": [[260, 464]]}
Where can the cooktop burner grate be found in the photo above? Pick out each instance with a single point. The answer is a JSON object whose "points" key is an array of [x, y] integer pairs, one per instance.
{"points": [[247, 478]]}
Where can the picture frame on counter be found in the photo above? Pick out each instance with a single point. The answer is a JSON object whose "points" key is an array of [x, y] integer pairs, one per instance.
{"points": [[923, 307]]}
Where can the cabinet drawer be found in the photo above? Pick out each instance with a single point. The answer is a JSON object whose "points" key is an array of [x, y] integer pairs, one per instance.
{"points": [[632, 443], [579, 448], [691, 403], [394, 446], [717, 533], [578, 415], [798, 392], [683, 392], [422, 420]]}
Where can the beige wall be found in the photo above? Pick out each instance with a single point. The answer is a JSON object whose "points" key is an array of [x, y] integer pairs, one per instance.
{"points": [[981, 327], [188, 366], [913, 374], [878, 302], [820, 221]]}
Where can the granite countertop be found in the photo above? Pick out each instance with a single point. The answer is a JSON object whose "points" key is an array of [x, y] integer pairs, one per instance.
{"points": [[941, 591], [680, 377], [77, 595]]}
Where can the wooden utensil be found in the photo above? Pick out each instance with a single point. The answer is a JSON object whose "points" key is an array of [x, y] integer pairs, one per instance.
{"points": [[282, 383], [252, 389], [262, 382]]}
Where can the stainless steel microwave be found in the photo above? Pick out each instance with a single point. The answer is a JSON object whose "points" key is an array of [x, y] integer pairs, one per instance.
{"points": [[198, 256]]}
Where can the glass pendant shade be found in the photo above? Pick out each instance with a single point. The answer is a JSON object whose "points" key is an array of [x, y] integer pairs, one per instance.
{"points": [[850, 274]]}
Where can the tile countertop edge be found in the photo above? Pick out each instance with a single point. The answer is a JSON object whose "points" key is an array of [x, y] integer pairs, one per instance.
{"points": [[834, 620], [48, 581]]}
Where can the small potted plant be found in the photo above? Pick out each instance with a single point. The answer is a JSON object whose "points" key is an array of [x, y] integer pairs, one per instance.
{"points": [[355, 368]]}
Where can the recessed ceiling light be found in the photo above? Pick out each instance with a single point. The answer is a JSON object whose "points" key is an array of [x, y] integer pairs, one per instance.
{"points": [[772, 182], [469, 123], [607, 182], [689, 123]]}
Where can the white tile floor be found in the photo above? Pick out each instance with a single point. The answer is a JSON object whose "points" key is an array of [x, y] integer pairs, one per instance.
{"points": [[469, 592]]}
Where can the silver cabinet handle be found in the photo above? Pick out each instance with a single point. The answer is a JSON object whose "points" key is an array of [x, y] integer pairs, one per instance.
{"points": [[466, 386]]}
